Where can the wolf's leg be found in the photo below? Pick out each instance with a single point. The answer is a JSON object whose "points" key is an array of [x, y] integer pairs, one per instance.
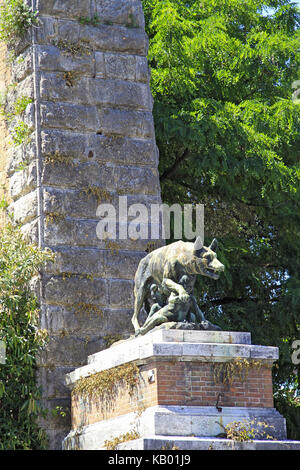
{"points": [[140, 281], [139, 297]]}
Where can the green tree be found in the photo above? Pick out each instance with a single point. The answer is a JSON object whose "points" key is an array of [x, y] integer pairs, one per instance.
{"points": [[227, 128]]}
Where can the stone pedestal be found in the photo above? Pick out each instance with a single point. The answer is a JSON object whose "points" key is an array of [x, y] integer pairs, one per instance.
{"points": [[185, 387]]}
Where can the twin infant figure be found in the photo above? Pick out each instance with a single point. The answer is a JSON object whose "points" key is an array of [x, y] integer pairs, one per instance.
{"points": [[173, 302]]}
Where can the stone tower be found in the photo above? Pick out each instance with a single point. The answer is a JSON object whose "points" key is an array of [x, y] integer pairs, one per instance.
{"points": [[92, 140]]}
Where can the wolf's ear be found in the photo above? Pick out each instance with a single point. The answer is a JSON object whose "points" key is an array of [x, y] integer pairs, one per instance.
{"points": [[214, 245], [198, 247]]}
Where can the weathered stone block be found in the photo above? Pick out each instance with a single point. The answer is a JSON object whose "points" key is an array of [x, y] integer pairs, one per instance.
{"points": [[51, 58], [76, 290], [76, 232], [85, 320], [113, 38], [55, 438], [127, 123], [22, 43], [52, 382], [29, 118], [117, 65], [20, 156], [46, 32], [99, 147], [30, 232], [78, 319], [122, 265], [62, 8], [80, 175], [96, 262], [81, 260], [125, 66], [137, 180], [25, 88], [71, 116], [90, 91], [103, 38], [72, 232], [120, 318], [142, 73], [68, 31], [25, 208], [69, 350], [120, 293], [23, 182], [127, 12], [22, 66], [145, 199], [85, 175], [65, 142], [71, 203], [124, 150]]}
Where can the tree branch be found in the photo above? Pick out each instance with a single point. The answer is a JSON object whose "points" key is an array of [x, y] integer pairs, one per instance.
{"points": [[246, 203], [229, 300], [171, 170]]}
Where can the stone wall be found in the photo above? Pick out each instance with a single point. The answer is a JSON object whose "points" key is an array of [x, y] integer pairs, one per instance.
{"points": [[92, 140]]}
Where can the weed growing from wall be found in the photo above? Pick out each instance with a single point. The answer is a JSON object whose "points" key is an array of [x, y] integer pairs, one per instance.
{"points": [[128, 436], [20, 131], [77, 48], [106, 384], [227, 372], [19, 320], [247, 430], [86, 20], [16, 17]]}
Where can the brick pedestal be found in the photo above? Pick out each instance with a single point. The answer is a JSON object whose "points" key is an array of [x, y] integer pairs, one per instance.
{"points": [[179, 391]]}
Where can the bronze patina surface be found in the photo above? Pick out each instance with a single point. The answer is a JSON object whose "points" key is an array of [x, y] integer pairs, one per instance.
{"points": [[166, 277]]}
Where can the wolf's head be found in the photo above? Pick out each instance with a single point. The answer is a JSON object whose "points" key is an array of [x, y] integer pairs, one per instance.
{"points": [[204, 260]]}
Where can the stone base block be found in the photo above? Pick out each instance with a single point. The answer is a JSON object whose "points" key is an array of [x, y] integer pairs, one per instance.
{"points": [[184, 421], [202, 443]]}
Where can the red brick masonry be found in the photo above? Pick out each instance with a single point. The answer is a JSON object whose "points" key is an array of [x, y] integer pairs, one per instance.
{"points": [[177, 383]]}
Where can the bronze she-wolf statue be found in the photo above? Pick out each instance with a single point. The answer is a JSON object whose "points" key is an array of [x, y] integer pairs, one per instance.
{"points": [[167, 276]]}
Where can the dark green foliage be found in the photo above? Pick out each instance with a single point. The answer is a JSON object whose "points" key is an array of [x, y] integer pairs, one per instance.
{"points": [[19, 328], [227, 127], [288, 403]]}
